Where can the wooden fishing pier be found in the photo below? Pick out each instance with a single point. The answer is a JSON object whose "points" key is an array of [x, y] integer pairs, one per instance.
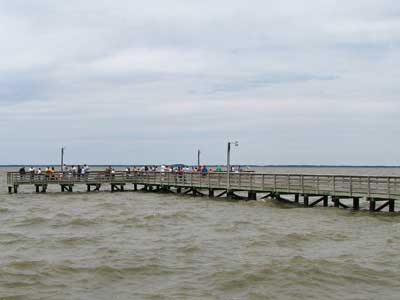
{"points": [[374, 192]]}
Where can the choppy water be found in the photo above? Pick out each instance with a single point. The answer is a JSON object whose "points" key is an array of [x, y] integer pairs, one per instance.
{"points": [[156, 246]]}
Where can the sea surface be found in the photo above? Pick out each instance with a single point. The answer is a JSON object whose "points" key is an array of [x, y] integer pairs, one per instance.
{"points": [[137, 245]]}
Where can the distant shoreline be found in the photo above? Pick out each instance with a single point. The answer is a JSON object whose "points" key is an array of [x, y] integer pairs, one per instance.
{"points": [[213, 165]]}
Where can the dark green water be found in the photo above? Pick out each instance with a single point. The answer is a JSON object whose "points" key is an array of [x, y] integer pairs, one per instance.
{"points": [[155, 246]]}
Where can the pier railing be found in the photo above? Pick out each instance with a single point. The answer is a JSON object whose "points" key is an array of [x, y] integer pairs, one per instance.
{"points": [[332, 185]]}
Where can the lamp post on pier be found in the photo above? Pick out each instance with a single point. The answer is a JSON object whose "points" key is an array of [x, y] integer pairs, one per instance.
{"points": [[228, 165], [62, 158], [198, 159]]}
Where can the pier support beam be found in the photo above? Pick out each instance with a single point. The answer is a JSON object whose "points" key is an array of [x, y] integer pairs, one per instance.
{"points": [[391, 205], [323, 199], [296, 198], [66, 187], [10, 189], [178, 190], [197, 193], [211, 193], [336, 201], [252, 195], [117, 187], [188, 191], [372, 204], [388, 202], [95, 185], [305, 201], [221, 194], [43, 186], [356, 203], [269, 195]]}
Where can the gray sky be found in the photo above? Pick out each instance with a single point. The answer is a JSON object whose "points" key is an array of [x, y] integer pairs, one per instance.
{"points": [[296, 82]]}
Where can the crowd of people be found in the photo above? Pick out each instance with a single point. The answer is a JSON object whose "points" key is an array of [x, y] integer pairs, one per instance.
{"points": [[50, 171], [83, 170], [179, 169], [75, 170]]}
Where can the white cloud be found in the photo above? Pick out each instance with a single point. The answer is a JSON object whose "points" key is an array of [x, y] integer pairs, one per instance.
{"points": [[193, 73]]}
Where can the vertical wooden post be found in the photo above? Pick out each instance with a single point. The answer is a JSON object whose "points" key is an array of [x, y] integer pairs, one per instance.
{"points": [[335, 201], [211, 193], [10, 189], [369, 187], [356, 203], [325, 201], [372, 204], [306, 200], [334, 184], [351, 186], [263, 182], [252, 195], [296, 198], [88, 187], [391, 205]]}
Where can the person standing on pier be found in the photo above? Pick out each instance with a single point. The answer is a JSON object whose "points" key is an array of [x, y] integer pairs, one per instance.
{"points": [[32, 171], [204, 171], [86, 168], [22, 172]]}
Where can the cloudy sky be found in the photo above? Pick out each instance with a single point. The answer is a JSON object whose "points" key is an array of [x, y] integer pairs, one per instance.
{"points": [[118, 81]]}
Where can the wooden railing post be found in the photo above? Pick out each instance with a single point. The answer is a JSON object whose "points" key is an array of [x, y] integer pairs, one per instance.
{"points": [[351, 185], [369, 187], [334, 185], [263, 182]]}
